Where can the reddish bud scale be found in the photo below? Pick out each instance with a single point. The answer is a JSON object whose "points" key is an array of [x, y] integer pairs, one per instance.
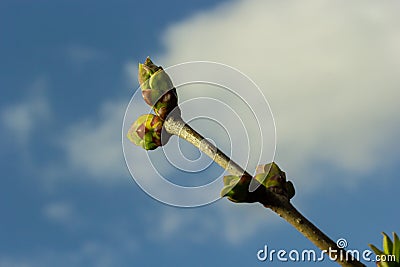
{"points": [[147, 131], [157, 89]]}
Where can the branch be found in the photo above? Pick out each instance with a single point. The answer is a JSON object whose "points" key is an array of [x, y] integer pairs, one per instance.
{"points": [[275, 192], [174, 125]]}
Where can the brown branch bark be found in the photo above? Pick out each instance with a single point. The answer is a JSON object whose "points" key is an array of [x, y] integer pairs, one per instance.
{"points": [[176, 126]]}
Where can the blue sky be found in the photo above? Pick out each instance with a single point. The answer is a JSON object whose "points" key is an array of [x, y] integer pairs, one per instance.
{"points": [[330, 71]]}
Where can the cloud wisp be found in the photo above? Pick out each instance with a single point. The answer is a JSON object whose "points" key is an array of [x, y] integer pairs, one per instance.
{"points": [[330, 71]]}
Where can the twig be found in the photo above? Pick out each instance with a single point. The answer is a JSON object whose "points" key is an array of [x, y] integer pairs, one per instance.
{"points": [[176, 126]]}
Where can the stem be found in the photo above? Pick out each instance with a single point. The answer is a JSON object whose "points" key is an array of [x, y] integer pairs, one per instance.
{"points": [[277, 203], [288, 212], [176, 126]]}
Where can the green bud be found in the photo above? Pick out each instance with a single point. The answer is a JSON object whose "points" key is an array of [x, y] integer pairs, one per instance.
{"points": [[229, 183], [274, 179], [269, 176], [146, 132], [157, 88], [236, 189]]}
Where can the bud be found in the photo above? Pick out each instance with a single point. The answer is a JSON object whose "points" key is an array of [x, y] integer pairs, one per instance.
{"points": [[236, 188], [146, 132], [274, 179], [269, 177], [157, 88]]}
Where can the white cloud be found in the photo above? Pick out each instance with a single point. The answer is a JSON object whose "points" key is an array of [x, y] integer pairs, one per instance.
{"points": [[79, 54], [94, 144], [59, 212], [222, 220], [88, 252], [330, 70], [22, 118]]}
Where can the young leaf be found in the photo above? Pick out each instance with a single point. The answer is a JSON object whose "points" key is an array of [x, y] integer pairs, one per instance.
{"points": [[376, 250], [387, 244], [396, 247]]}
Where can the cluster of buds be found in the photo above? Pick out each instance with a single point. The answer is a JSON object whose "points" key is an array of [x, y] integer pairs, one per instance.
{"points": [[159, 93], [269, 177]]}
